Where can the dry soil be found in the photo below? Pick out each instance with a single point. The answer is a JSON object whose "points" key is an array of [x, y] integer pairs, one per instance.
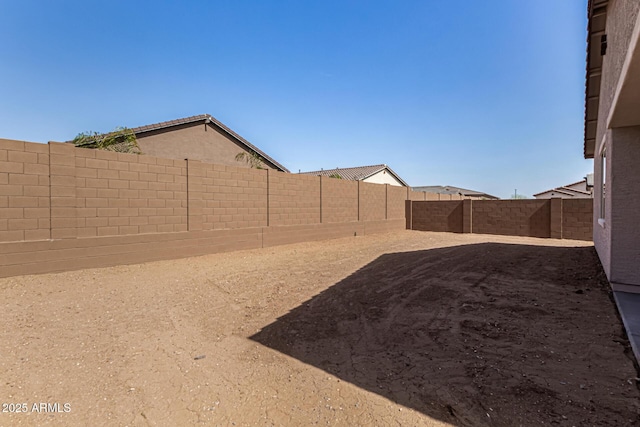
{"points": [[409, 328]]}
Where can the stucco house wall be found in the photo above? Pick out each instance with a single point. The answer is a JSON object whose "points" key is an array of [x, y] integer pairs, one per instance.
{"points": [[616, 232], [383, 177]]}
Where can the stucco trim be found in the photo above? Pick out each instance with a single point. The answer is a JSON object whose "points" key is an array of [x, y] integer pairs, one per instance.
{"points": [[624, 73]]}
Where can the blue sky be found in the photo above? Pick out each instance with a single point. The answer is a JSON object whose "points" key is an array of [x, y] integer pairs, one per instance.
{"points": [[487, 95]]}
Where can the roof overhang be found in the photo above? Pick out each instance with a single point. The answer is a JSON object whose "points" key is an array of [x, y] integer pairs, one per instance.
{"points": [[597, 14], [625, 109]]}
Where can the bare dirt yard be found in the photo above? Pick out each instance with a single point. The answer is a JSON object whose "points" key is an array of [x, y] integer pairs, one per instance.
{"points": [[409, 328]]}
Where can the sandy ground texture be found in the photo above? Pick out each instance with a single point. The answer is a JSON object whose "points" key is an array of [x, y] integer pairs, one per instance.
{"points": [[409, 328]]}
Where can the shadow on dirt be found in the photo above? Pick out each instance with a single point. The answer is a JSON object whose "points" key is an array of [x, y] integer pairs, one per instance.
{"points": [[486, 334]]}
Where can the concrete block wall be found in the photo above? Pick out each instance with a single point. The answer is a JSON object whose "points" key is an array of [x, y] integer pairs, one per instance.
{"points": [[293, 199], [416, 195], [228, 197], [339, 200], [577, 219], [511, 217], [24, 191], [63, 208], [118, 194], [395, 201], [555, 218], [437, 216], [373, 201]]}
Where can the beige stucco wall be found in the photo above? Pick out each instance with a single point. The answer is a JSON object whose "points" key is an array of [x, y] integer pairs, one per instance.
{"points": [[580, 186], [617, 235], [621, 19], [625, 205], [195, 142], [383, 177]]}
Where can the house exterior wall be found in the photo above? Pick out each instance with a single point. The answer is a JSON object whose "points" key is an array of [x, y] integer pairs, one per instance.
{"points": [[623, 216], [383, 177], [621, 18], [580, 186], [196, 141], [602, 231], [617, 235]]}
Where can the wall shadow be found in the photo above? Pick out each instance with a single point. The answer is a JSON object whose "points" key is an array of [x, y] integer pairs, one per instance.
{"points": [[472, 335]]}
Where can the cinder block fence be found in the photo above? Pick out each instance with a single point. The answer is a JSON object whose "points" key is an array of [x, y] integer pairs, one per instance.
{"points": [[65, 208], [550, 218]]}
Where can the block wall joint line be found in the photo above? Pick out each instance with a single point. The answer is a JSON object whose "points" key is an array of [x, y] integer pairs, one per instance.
{"points": [[320, 199], [268, 202], [50, 202], [386, 201], [359, 201], [189, 222], [561, 220], [411, 214]]}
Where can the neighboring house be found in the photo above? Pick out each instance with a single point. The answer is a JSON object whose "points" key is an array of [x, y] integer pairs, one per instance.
{"points": [[612, 139], [199, 138], [377, 174], [449, 189], [578, 190]]}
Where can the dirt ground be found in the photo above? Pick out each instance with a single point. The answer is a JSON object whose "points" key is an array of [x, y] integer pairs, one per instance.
{"points": [[409, 328]]}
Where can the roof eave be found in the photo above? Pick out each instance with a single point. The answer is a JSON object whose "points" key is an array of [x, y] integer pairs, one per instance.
{"points": [[597, 16]]}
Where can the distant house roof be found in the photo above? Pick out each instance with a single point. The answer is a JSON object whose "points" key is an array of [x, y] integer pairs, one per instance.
{"points": [[209, 119], [571, 192], [358, 173], [567, 190], [449, 189]]}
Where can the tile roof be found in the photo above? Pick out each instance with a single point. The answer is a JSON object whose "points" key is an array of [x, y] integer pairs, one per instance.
{"points": [[566, 188], [449, 189], [357, 173], [207, 118]]}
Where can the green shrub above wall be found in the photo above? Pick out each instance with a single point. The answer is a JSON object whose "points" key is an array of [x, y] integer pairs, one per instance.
{"points": [[121, 140]]}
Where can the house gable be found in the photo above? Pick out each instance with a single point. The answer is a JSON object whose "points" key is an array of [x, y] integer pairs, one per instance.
{"points": [[197, 141], [377, 174], [201, 138], [383, 177]]}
